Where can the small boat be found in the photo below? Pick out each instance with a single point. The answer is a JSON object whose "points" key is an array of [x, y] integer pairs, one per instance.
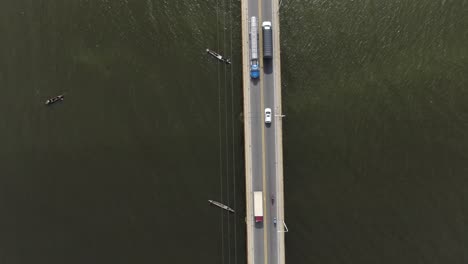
{"points": [[55, 99], [218, 56], [220, 205]]}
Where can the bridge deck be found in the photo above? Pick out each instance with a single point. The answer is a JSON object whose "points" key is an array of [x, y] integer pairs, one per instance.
{"points": [[265, 243]]}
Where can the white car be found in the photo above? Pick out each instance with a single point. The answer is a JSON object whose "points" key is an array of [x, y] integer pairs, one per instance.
{"points": [[267, 115]]}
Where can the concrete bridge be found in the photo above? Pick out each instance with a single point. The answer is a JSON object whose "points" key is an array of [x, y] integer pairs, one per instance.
{"points": [[263, 142]]}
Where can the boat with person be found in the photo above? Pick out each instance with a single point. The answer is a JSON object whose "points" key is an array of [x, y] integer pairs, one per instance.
{"points": [[218, 56], [55, 99], [220, 205]]}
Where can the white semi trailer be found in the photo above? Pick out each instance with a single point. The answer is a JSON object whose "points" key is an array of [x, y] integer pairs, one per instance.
{"points": [[258, 206], [254, 67]]}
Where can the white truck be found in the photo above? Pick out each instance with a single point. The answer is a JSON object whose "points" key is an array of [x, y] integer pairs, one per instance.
{"points": [[258, 206], [254, 67]]}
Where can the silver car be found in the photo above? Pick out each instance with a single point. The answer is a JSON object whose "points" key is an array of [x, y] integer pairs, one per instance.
{"points": [[267, 115]]}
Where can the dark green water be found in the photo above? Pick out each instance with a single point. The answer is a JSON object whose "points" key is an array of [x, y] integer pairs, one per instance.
{"points": [[376, 133], [121, 171]]}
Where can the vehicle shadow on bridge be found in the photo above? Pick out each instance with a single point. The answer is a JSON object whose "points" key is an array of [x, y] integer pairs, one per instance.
{"points": [[268, 66]]}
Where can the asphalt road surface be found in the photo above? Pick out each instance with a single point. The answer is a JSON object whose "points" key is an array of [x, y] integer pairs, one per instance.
{"points": [[263, 143]]}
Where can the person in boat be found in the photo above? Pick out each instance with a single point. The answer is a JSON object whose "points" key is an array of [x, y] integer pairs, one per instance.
{"points": [[55, 99]]}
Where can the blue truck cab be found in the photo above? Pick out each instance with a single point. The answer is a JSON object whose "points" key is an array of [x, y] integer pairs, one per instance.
{"points": [[254, 71]]}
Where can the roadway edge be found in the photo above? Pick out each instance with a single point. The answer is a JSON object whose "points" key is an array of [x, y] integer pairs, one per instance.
{"points": [[279, 135], [247, 132]]}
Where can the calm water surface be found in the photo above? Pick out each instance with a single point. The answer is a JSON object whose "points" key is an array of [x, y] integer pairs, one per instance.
{"points": [[376, 133], [121, 171]]}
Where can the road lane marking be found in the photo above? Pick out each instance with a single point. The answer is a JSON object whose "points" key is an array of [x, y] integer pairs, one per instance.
{"points": [[262, 105]]}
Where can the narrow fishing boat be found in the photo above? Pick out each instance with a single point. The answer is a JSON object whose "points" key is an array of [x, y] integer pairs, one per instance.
{"points": [[220, 205], [55, 99], [218, 56]]}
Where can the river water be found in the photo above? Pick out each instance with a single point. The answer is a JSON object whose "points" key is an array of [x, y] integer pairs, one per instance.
{"points": [[375, 135], [150, 129], [376, 131]]}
